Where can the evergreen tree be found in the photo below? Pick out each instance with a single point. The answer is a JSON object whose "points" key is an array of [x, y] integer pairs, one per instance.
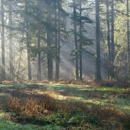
{"points": [[10, 41], [3, 40], [98, 58], [28, 38]]}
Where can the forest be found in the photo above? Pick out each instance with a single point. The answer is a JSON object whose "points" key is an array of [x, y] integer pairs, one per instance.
{"points": [[65, 64]]}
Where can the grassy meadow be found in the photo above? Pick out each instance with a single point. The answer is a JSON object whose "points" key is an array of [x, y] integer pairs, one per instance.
{"points": [[64, 106]]}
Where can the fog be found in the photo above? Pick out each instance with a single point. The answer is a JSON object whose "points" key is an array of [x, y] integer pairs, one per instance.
{"points": [[20, 42]]}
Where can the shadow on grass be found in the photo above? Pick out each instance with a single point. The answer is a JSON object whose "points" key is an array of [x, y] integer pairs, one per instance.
{"points": [[78, 91], [9, 125], [29, 123], [71, 93], [40, 102]]}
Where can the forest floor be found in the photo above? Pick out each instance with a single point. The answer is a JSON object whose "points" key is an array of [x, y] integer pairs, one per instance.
{"points": [[66, 105]]}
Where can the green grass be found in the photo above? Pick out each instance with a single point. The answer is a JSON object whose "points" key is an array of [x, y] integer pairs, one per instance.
{"points": [[102, 95], [112, 96], [7, 124]]}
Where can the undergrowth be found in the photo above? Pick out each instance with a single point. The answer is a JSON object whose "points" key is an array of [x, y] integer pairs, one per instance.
{"points": [[125, 94], [27, 106], [71, 115]]}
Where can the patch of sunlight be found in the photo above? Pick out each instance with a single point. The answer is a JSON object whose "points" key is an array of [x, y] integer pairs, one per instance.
{"points": [[4, 115], [4, 94], [76, 98], [5, 85], [58, 96], [122, 104], [56, 85], [66, 85], [78, 86], [103, 89], [110, 89], [92, 101], [126, 108], [53, 94]]}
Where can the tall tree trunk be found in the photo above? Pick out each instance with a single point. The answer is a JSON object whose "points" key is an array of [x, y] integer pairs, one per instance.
{"points": [[28, 41], [58, 47], [80, 42], [128, 40], [57, 41], [49, 54], [39, 57], [3, 41], [75, 39], [112, 39], [10, 42], [38, 43], [98, 58], [108, 37]]}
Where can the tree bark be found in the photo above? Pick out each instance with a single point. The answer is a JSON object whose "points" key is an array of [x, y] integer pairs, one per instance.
{"points": [[38, 43], [10, 42], [80, 42], [39, 57], [57, 39], [108, 38], [58, 49], [28, 41], [128, 41], [112, 39], [49, 54], [3, 42], [98, 60], [75, 40]]}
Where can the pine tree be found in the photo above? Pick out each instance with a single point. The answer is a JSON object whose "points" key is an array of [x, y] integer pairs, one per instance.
{"points": [[3, 41], [98, 60]]}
